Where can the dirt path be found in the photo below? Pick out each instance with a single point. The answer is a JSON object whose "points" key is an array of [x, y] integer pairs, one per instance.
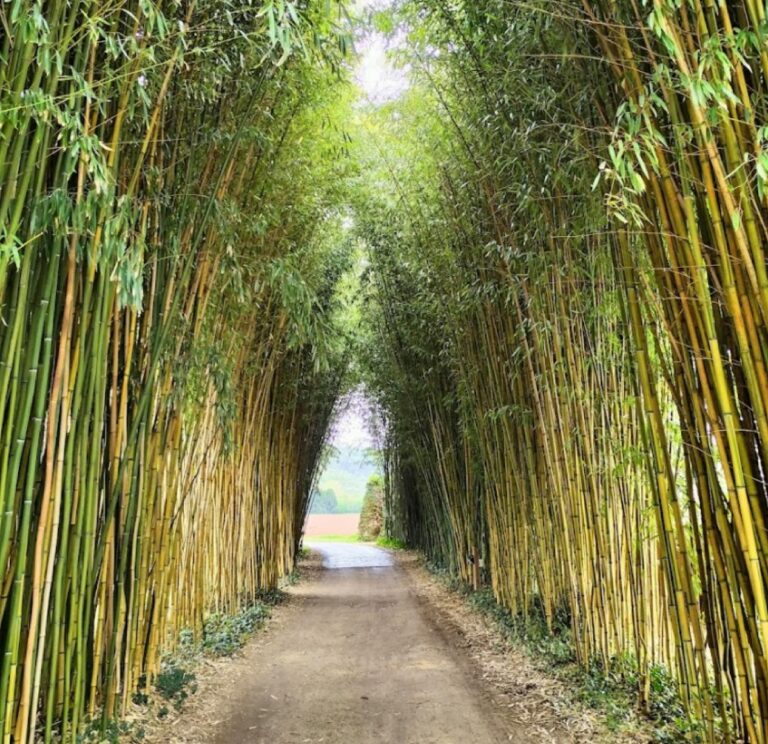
{"points": [[371, 650], [357, 661]]}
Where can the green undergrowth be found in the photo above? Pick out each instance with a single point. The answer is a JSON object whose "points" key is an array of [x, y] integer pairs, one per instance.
{"points": [[113, 733], [390, 542], [292, 578], [223, 635], [610, 689]]}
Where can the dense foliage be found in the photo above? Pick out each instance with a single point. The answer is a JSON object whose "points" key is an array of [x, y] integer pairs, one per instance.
{"points": [[169, 349], [567, 331]]}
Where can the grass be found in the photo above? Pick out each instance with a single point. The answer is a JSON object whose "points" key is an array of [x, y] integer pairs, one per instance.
{"points": [[390, 542], [382, 542], [334, 538]]}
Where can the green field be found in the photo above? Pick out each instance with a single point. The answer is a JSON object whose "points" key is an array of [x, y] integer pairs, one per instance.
{"points": [[335, 538], [346, 474]]}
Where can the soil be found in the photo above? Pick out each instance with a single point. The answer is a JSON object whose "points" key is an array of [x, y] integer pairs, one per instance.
{"points": [[371, 649], [535, 696]]}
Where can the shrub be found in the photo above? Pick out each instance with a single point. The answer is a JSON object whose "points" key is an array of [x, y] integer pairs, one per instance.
{"points": [[372, 513], [174, 683]]}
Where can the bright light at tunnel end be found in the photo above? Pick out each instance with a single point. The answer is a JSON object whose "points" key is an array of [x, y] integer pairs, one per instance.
{"points": [[379, 80]]}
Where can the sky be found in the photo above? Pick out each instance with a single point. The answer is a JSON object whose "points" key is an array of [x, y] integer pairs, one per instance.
{"points": [[378, 78], [351, 429], [380, 82]]}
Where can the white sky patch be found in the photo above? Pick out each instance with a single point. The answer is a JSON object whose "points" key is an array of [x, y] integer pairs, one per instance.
{"points": [[351, 431], [352, 427], [379, 80]]}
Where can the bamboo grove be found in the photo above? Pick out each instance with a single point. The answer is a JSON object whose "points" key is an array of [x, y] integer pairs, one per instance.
{"points": [[170, 357], [566, 326], [562, 316]]}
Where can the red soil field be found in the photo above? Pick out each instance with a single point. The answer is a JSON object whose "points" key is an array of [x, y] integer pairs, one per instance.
{"points": [[318, 525]]}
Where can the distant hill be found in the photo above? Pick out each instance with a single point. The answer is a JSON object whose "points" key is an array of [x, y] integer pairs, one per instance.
{"points": [[346, 474]]}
